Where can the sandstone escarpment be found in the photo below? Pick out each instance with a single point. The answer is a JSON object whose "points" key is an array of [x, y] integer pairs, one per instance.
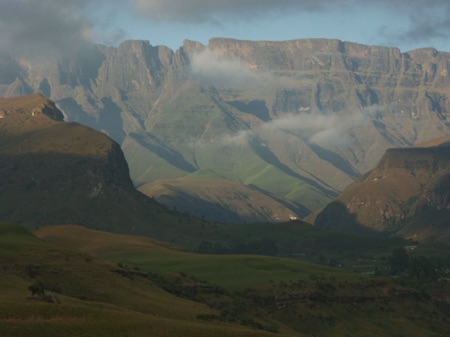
{"points": [[298, 119]]}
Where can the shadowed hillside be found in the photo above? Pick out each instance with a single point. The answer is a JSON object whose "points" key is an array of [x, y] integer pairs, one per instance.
{"points": [[54, 172]]}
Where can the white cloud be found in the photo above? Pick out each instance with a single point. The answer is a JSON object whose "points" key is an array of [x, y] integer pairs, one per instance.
{"points": [[215, 69], [241, 138], [30, 27], [426, 19], [43, 28], [326, 130], [330, 130]]}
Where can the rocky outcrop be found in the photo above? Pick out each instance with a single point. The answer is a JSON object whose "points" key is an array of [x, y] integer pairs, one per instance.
{"points": [[45, 297]]}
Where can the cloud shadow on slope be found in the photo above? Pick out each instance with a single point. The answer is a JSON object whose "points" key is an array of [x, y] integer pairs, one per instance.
{"points": [[257, 108], [335, 216], [156, 146], [265, 154], [334, 159]]}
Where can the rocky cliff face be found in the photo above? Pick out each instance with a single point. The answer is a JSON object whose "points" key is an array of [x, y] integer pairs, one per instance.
{"points": [[299, 119], [407, 193]]}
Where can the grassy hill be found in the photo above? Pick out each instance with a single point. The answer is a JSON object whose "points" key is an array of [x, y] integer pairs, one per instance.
{"points": [[148, 254], [96, 297], [114, 285], [284, 295]]}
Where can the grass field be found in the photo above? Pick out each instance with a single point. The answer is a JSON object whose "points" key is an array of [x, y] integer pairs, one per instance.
{"points": [[97, 297], [233, 272], [115, 285]]}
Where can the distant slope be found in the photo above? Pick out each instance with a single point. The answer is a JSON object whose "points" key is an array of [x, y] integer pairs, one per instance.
{"points": [[53, 172], [408, 193], [221, 199]]}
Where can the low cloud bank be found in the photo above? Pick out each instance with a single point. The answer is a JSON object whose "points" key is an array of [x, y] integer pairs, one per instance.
{"points": [[324, 130], [329, 130], [212, 68]]}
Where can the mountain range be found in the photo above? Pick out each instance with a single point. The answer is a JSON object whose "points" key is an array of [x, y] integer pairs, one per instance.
{"points": [[291, 123]]}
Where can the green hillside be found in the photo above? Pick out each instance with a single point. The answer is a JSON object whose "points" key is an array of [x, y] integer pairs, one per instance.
{"points": [[151, 255], [286, 296], [96, 297]]}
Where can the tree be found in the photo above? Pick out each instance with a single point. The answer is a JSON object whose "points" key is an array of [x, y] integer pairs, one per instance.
{"points": [[398, 261], [37, 288]]}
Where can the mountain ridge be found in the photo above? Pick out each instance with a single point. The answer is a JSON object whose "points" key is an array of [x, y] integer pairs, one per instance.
{"points": [[298, 119]]}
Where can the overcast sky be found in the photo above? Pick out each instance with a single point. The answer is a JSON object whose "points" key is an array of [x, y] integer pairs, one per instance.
{"points": [[33, 25]]}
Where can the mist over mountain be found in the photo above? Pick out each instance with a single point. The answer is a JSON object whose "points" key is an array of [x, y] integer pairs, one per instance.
{"points": [[298, 120]]}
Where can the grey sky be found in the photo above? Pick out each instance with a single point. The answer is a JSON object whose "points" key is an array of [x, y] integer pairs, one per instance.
{"points": [[37, 27], [208, 11], [28, 26], [425, 18]]}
